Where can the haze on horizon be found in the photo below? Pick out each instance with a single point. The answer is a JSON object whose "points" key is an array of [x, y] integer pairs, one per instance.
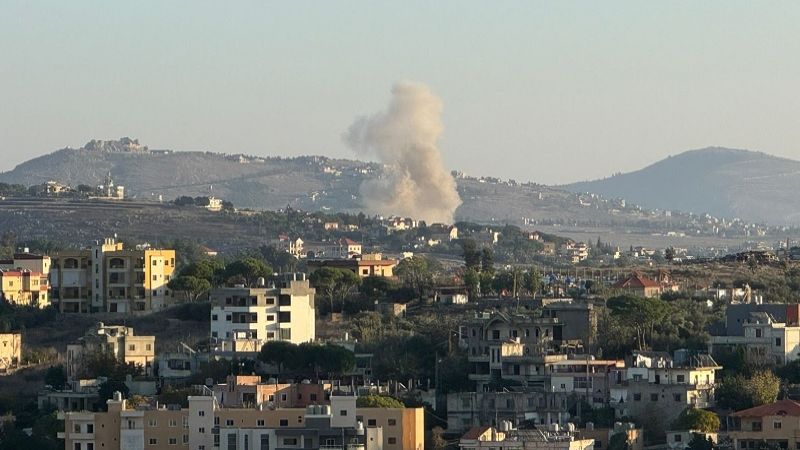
{"points": [[551, 92]]}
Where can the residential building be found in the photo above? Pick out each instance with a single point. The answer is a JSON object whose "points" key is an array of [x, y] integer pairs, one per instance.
{"points": [[117, 340], [451, 295], [10, 351], [366, 265], [27, 261], [638, 285], [205, 425], [249, 391], [517, 405], [575, 252], [77, 395], [506, 437], [108, 278], [511, 347], [774, 425], [292, 246], [24, 288], [655, 382], [680, 439], [764, 339], [585, 377], [579, 319], [602, 436], [243, 319]]}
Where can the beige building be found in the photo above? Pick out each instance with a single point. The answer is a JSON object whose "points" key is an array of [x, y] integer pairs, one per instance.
{"points": [[250, 392], [118, 340], [764, 338], [10, 351], [505, 437], [243, 319], [109, 278], [204, 425], [24, 288], [775, 425], [364, 266]]}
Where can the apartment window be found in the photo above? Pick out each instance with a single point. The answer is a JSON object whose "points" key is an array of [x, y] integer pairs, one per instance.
{"points": [[371, 422], [90, 428], [153, 441], [214, 317], [495, 334], [148, 347], [173, 441], [229, 423], [392, 422], [284, 317], [758, 332], [678, 438], [681, 378], [776, 425], [270, 317], [313, 397], [227, 317], [77, 446], [290, 441], [343, 412], [270, 335], [201, 430], [777, 342], [392, 440], [155, 277], [232, 441], [152, 423], [653, 397], [270, 301], [185, 422], [264, 442], [271, 397], [201, 413], [260, 422], [677, 397], [89, 446], [637, 397], [132, 347], [76, 428], [598, 443], [330, 442], [185, 438], [173, 423], [216, 419], [284, 422], [155, 262]]}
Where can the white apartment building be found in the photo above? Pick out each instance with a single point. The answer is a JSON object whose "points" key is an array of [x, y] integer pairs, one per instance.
{"points": [[764, 339], [243, 318]]}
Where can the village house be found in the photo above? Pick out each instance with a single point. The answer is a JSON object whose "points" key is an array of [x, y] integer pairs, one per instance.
{"points": [[371, 264], [10, 352], [638, 285], [774, 425], [117, 340]]}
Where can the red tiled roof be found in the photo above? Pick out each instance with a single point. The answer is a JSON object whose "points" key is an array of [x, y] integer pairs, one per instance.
{"points": [[636, 281], [347, 241], [474, 433], [779, 408]]}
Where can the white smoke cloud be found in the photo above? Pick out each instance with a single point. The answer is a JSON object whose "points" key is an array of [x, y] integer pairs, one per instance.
{"points": [[414, 182]]}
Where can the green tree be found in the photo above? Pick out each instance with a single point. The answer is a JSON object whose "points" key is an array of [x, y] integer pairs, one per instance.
{"points": [[487, 260], [618, 441], [56, 377], [378, 401], [471, 254], [700, 442], [739, 392], [376, 287], [335, 284], [193, 287], [107, 389], [278, 353], [248, 269], [415, 274], [472, 281], [698, 420], [641, 314], [533, 281]]}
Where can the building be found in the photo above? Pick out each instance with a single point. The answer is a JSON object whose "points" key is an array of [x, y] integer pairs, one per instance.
{"points": [[774, 425], [249, 391], [27, 261], [364, 266], [575, 252], [517, 405], [77, 395], [292, 246], [586, 377], [680, 439], [243, 319], [511, 347], [10, 352], [764, 339], [451, 295], [24, 288], [507, 437], [205, 425], [108, 278], [638, 285], [656, 383], [602, 436], [579, 319], [117, 340]]}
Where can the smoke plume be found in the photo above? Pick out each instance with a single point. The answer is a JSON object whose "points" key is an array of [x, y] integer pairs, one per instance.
{"points": [[414, 182]]}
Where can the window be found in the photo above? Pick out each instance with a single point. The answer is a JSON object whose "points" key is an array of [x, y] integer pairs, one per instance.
{"points": [[495, 334], [132, 348], [148, 347], [152, 423], [264, 442], [185, 421], [637, 397], [283, 397], [232, 441], [653, 397], [313, 397], [270, 301], [392, 440], [90, 428], [290, 441], [677, 397], [201, 413], [284, 422], [185, 438], [153, 441], [678, 438], [260, 422], [598, 443], [270, 317], [173, 441], [343, 412], [371, 423], [77, 446], [284, 317], [213, 317], [777, 342], [89, 446], [229, 422], [392, 422], [201, 430], [776, 425], [681, 378]]}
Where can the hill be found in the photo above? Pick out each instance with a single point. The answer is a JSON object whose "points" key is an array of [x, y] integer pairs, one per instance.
{"points": [[724, 182]]}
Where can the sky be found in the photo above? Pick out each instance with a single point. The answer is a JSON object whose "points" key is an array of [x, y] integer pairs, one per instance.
{"points": [[550, 92]]}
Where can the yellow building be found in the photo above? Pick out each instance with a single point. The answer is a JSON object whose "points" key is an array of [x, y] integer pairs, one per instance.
{"points": [[775, 425], [10, 351], [109, 278], [23, 287], [205, 426]]}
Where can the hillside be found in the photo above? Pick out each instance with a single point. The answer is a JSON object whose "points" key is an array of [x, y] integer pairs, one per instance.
{"points": [[723, 182]]}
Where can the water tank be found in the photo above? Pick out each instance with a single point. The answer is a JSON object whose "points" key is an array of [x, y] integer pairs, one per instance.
{"points": [[359, 428], [261, 282], [117, 396], [589, 426], [505, 425], [306, 381], [325, 410], [571, 427], [554, 427]]}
